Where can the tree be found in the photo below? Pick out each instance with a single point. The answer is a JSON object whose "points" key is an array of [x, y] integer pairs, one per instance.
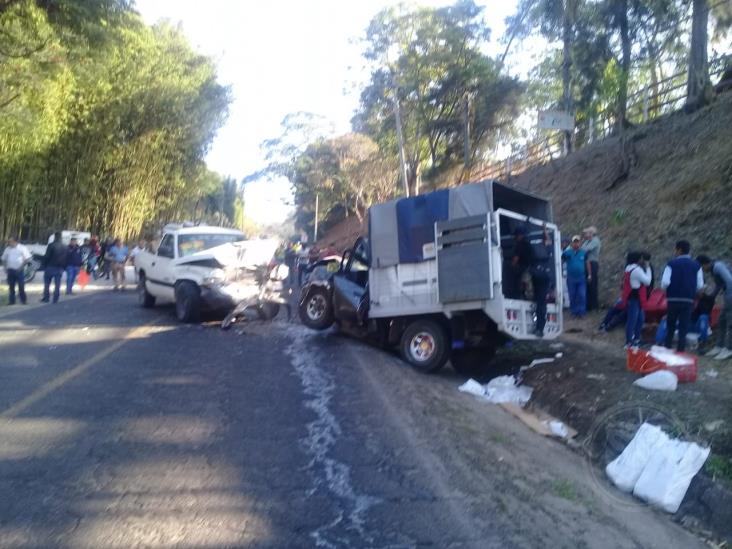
{"points": [[430, 62]]}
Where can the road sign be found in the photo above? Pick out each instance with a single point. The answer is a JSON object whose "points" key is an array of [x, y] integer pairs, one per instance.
{"points": [[556, 120]]}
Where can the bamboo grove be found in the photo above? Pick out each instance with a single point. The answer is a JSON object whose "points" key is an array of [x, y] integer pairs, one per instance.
{"points": [[104, 121]]}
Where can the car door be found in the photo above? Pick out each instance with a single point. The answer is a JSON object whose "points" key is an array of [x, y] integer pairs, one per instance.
{"points": [[160, 278], [351, 284]]}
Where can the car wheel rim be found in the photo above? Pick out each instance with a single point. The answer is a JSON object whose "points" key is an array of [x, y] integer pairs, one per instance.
{"points": [[422, 347], [316, 307]]}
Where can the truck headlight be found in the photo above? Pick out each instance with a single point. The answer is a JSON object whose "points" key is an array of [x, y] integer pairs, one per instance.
{"points": [[217, 277]]}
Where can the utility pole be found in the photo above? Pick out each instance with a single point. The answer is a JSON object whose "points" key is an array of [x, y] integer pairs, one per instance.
{"points": [[400, 137], [315, 235], [567, 25], [466, 130]]}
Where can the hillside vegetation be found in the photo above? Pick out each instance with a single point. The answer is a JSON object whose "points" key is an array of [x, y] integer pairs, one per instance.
{"points": [[679, 186]]}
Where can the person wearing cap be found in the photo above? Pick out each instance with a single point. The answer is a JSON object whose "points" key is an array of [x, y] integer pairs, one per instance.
{"points": [[578, 274], [723, 284], [591, 245]]}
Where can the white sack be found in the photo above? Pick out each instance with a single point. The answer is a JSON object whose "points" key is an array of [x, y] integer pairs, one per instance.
{"points": [[504, 389], [662, 380], [626, 469], [668, 357], [473, 387], [667, 475]]}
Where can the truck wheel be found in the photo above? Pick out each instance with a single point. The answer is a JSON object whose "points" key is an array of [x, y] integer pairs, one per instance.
{"points": [[30, 269], [473, 362], [316, 312], [425, 345], [144, 298], [268, 310], [187, 302]]}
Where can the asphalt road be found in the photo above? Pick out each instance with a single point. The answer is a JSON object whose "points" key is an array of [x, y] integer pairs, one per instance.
{"points": [[120, 427]]}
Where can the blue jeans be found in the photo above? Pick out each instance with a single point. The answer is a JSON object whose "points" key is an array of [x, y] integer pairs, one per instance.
{"points": [[577, 295], [71, 274], [702, 328], [49, 274], [634, 323]]}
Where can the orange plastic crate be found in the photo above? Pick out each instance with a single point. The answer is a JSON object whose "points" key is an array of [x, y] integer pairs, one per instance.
{"points": [[640, 361]]}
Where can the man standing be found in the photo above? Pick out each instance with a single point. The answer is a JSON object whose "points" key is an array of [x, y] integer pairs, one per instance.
{"points": [[118, 254], [54, 264], [540, 278], [591, 246], [578, 274], [723, 283], [14, 259], [682, 279], [73, 264]]}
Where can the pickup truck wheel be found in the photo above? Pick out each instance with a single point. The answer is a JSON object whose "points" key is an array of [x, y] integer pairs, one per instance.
{"points": [[425, 345], [187, 302], [268, 310], [473, 362], [144, 298], [316, 311]]}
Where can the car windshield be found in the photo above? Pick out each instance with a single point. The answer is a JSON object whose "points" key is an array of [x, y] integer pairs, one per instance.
{"points": [[189, 244]]}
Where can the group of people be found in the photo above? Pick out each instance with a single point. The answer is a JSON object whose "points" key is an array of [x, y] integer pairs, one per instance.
{"points": [[67, 259], [690, 300]]}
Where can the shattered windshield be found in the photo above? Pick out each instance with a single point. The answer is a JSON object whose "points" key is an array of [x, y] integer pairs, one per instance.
{"points": [[189, 244]]}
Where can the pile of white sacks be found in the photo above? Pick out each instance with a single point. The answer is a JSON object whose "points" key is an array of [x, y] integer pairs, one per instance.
{"points": [[657, 468]]}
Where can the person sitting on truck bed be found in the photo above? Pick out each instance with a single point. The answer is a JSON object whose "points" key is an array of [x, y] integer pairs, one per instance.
{"points": [[520, 263]]}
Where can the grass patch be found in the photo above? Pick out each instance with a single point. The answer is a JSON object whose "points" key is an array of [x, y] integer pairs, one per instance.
{"points": [[719, 467], [564, 489], [498, 438]]}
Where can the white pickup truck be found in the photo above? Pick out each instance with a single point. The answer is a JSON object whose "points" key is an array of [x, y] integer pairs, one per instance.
{"points": [[202, 268]]}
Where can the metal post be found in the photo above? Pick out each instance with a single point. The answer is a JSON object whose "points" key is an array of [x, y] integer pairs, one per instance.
{"points": [[315, 235], [591, 137]]}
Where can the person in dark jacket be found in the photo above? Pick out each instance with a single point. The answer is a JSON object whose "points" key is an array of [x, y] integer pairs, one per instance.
{"points": [[682, 279], [74, 260], [54, 263]]}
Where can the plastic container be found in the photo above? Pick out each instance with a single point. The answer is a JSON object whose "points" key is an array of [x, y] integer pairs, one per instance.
{"points": [[641, 361]]}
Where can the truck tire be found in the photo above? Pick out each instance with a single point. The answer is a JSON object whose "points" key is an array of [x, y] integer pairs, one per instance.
{"points": [[472, 362], [425, 345], [144, 298], [316, 311], [268, 310], [187, 302], [30, 269]]}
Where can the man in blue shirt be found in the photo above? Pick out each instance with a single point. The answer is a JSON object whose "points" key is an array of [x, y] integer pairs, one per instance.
{"points": [[578, 274], [682, 279], [117, 255]]}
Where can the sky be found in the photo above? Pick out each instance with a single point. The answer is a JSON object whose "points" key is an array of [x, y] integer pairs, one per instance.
{"points": [[281, 57]]}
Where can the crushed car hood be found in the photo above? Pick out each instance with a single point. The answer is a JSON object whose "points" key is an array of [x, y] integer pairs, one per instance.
{"points": [[248, 254]]}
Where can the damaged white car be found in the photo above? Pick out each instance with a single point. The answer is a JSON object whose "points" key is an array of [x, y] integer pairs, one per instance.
{"points": [[208, 269]]}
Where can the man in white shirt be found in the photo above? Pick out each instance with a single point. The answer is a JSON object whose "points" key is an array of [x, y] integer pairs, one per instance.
{"points": [[14, 259]]}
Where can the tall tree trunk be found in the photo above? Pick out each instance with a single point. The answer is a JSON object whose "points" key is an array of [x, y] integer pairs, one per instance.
{"points": [[567, 23], [697, 83], [624, 66]]}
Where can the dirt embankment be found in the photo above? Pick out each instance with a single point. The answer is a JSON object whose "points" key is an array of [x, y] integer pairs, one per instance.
{"points": [[679, 186]]}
